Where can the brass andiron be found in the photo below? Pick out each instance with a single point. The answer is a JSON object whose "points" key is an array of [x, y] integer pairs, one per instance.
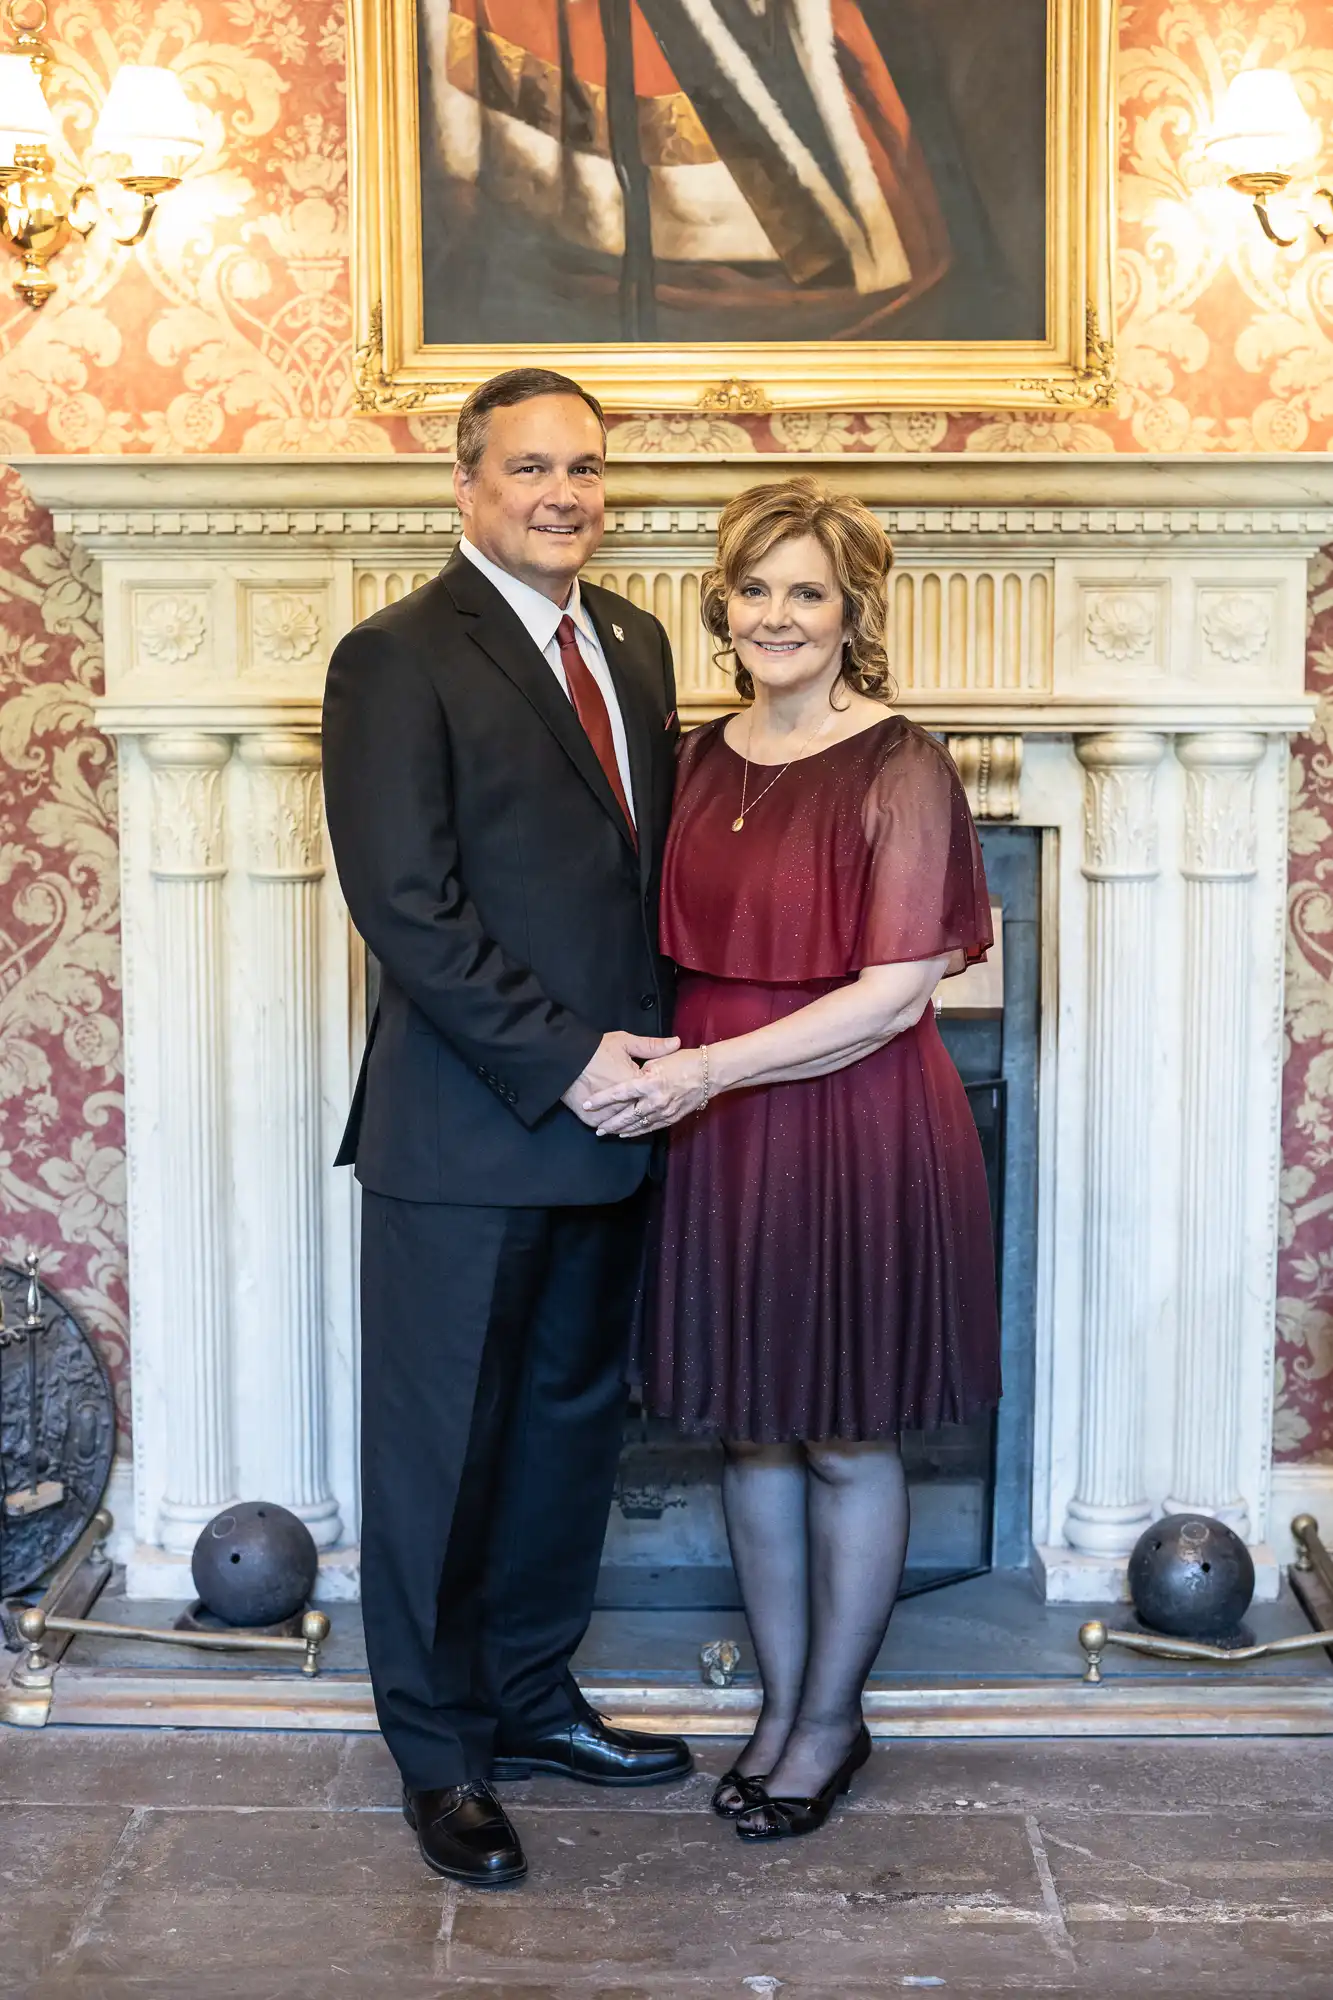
{"points": [[1311, 1555], [1095, 1636], [46, 1631], [35, 1624]]}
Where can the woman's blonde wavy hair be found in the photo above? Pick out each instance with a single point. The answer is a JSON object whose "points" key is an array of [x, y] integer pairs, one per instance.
{"points": [[859, 554]]}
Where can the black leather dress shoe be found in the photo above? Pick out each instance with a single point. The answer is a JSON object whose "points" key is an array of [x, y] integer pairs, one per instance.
{"points": [[596, 1754], [464, 1832]]}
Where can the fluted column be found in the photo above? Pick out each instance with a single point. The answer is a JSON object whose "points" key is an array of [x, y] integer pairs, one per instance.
{"points": [[1110, 1508], [289, 1457], [1219, 866], [188, 866]]}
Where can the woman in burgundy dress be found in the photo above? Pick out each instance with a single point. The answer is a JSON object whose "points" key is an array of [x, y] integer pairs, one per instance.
{"points": [[822, 1270]]}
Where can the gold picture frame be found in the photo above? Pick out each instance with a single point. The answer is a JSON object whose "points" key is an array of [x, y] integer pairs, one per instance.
{"points": [[1074, 366]]}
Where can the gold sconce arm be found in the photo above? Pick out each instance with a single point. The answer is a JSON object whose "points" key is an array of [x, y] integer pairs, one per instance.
{"points": [[147, 210], [1324, 230], [1266, 224], [84, 209], [1259, 188]]}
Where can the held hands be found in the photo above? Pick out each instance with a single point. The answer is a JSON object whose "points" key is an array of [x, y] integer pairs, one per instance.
{"points": [[613, 1071], [664, 1091]]}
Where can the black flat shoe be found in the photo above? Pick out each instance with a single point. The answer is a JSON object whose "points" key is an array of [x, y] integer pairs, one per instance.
{"points": [[464, 1832], [747, 1792], [595, 1753], [786, 1819]]}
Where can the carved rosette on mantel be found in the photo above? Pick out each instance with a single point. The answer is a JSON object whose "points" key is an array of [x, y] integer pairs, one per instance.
{"points": [[1113, 650]]}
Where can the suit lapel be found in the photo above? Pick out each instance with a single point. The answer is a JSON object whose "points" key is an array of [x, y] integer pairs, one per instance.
{"points": [[641, 725], [501, 635]]}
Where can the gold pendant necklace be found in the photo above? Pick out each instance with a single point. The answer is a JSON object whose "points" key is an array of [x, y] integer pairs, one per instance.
{"points": [[739, 820]]}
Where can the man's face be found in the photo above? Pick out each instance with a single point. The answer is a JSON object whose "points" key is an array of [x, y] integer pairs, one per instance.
{"points": [[536, 503]]}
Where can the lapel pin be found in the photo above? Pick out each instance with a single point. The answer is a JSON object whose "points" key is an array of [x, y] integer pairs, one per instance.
{"points": [[619, 634]]}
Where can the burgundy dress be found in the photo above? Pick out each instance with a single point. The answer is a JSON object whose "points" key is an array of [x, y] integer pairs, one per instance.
{"points": [[822, 1260]]}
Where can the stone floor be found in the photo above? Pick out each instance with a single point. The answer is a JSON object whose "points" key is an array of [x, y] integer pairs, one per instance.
{"points": [[174, 1865]]}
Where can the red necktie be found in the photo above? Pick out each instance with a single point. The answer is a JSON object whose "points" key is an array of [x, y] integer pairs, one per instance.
{"points": [[591, 710]]}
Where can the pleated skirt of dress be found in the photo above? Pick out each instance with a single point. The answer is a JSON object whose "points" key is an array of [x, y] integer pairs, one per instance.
{"points": [[821, 1257]]}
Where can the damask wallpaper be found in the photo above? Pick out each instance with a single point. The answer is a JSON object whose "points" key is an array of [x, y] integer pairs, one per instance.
{"points": [[229, 330]]}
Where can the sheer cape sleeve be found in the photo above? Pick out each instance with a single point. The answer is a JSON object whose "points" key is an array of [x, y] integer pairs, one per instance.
{"points": [[926, 894], [862, 855]]}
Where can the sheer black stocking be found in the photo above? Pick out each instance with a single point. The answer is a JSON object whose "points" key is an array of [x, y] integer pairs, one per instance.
{"points": [[849, 1549], [764, 1499], [857, 1513]]}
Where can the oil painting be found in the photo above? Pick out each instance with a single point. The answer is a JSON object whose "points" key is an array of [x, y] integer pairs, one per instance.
{"points": [[818, 201]]}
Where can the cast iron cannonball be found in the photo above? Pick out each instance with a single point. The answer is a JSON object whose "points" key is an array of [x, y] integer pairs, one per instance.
{"points": [[1191, 1577], [254, 1564]]}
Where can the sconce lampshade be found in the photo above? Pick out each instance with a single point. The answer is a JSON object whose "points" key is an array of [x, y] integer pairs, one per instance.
{"points": [[149, 122], [1262, 126], [25, 116]]}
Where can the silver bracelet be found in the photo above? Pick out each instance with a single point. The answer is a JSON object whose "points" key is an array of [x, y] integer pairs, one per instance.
{"points": [[708, 1080]]}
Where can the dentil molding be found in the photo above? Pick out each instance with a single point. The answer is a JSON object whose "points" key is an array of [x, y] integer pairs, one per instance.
{"points": [[1058, 494]]}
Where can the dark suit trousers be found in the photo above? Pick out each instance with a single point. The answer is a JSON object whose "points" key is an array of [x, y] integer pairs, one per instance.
{"points": [[494, 1345]]}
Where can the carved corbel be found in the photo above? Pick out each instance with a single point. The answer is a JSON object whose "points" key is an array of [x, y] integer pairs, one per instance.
{"points": [[991, 768]]}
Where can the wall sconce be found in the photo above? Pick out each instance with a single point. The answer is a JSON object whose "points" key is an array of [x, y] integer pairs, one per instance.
{"points": [[1262, 132], [145, 139]]}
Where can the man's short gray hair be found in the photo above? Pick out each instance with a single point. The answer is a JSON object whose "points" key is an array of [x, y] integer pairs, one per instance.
{"points": [[516, 385]]}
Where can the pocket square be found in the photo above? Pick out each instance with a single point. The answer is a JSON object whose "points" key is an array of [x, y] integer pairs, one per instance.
{"points": [[619, 634]]}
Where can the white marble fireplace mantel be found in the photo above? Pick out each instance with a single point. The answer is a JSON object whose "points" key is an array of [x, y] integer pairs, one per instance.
{"points": [[1114, 649]]}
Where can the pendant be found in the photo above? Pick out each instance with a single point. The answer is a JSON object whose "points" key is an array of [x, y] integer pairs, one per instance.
{"points": [[737, 824]]}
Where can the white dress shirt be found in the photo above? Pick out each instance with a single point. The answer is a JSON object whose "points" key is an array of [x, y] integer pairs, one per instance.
{"points": [[540, 619]]}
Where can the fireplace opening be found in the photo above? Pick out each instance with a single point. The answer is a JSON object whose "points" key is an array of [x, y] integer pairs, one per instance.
{"points": [[666, 1545]]}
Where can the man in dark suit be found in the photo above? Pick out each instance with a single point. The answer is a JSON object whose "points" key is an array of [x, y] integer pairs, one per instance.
{"points": [[498, 765]]}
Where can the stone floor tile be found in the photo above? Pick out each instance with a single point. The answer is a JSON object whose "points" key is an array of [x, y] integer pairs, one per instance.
{"points": [[862, 1860], [1206, 1961], [178, 1767], [394, 1985], [301, 1853], [171, 1935], [687, 1795], [51, 1861], [671, 1896], [307, 1979], [1103, 1775], [56, 1847], [175, 1767], [367, 1774], [726, 1940], [1192, 1868], [34, 1925]]}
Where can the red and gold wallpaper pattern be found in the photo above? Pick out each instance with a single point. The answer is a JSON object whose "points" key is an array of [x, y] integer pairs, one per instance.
{"points": [[229, 330]]}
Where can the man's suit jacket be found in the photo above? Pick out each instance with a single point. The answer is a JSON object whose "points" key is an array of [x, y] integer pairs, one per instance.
{"points": [[487, 865]]}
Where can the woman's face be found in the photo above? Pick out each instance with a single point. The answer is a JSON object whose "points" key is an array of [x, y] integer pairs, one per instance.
{"points": [[786, 618]]}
